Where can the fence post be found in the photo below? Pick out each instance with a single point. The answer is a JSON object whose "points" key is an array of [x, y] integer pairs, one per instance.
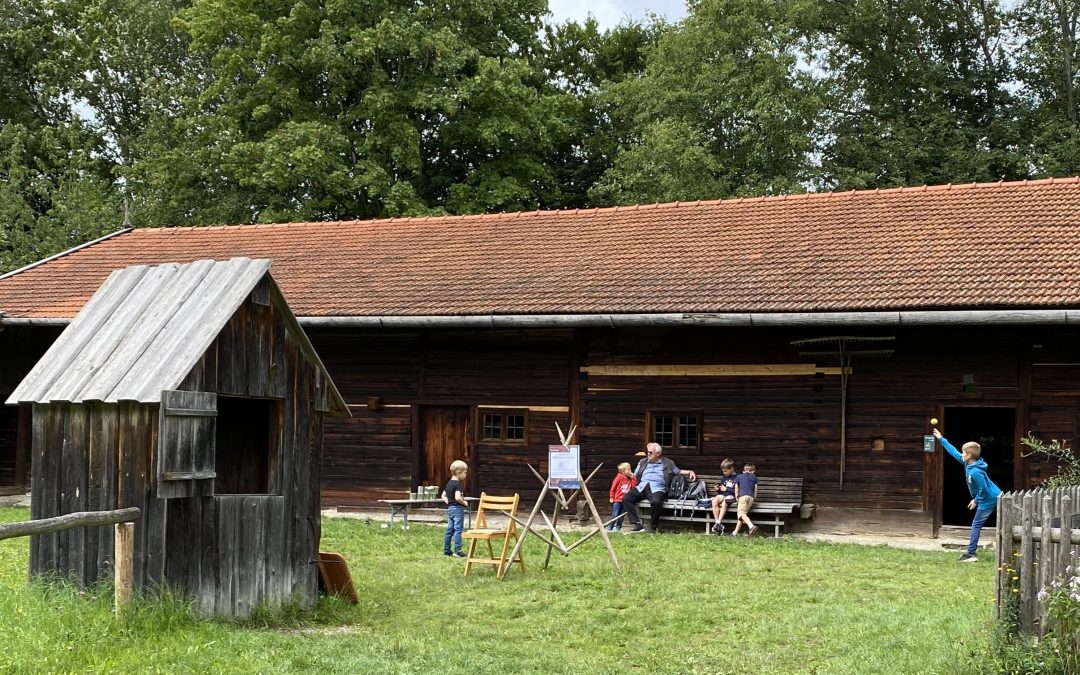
{"points": [[1045, 562], [1025, 569], [123, 564], [1004, 552]]}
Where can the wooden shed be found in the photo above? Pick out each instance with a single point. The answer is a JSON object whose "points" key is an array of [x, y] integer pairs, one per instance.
{"points": [[191, 392]]}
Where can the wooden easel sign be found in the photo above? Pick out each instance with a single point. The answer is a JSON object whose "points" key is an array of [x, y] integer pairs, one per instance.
{"points": [[564, 472]]}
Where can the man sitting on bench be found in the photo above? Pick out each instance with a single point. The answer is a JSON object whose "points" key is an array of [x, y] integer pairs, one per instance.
{"points": [[654, 474]]}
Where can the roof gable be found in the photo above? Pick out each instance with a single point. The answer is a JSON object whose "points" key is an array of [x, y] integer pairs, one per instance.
{"points": [[977, 246], [144, 330]]}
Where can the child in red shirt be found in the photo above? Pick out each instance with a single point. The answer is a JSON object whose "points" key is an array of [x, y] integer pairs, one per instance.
{"points": [[624, 481]]}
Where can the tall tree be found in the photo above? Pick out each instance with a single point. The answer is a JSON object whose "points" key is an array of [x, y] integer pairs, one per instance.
{"points": [[1047, 66], [918, 92], [344, 110], [724, 107], [56, 188], [580, 59]]}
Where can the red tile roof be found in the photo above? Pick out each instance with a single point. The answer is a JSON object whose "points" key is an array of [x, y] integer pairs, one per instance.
{"points": [[984, 245]]}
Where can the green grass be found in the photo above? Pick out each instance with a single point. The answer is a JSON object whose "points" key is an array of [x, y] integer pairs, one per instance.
{"points": [[684, 603]]}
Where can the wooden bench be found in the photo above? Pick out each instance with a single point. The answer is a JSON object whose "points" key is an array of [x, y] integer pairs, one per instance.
{"points": [[778, 499]]}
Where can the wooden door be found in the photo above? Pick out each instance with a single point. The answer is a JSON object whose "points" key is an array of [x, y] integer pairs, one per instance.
{"points": [[446, 436]]}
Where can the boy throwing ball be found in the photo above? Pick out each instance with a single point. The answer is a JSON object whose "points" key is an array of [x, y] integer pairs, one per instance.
{"points": [[983, 491]]}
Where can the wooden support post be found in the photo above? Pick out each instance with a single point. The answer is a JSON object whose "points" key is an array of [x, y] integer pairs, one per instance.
{"points": [[123, 564]]}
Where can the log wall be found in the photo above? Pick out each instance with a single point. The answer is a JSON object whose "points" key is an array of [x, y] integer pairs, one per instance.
{"points": [[786, 424]]}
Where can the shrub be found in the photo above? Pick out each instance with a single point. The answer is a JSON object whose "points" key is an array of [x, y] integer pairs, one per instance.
{"points": [[1062, 601], [1068, 463]]}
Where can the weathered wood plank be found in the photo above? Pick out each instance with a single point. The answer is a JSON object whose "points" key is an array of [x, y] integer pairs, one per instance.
{"points": [[68, 522]]}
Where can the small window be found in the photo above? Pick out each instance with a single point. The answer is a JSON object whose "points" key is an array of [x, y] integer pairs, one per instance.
{"points": [[674, 430], [247, 445], [500, 426]]}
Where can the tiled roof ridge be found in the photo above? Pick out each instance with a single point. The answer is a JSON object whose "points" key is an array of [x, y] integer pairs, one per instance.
{"points": [[507, 215]]}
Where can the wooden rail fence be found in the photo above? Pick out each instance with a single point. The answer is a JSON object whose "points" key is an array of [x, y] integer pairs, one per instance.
{"points": [[122, 519], [1038, 537]]}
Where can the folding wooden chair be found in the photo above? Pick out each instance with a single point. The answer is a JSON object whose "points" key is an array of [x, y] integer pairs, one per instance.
{"points": [[488, 532]]}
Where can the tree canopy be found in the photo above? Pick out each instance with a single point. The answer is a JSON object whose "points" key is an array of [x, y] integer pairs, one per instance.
{"points": [[187, 112]]}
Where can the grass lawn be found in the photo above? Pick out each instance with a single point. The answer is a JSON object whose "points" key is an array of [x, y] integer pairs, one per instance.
{"points": [[684, 603]]}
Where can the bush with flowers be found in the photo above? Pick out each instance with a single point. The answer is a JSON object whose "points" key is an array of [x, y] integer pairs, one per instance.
{"points": [[1062, 601]]}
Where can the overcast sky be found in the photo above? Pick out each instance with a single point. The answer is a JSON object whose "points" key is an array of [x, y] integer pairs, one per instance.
{"points": [[610, 12]]}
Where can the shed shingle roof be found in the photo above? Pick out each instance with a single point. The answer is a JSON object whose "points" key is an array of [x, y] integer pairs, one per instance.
{"points": [[984, 245], [144, 330]]}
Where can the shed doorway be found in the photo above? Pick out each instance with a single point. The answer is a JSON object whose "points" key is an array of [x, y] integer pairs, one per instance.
{"points": [[445, 434], [995, 430]]}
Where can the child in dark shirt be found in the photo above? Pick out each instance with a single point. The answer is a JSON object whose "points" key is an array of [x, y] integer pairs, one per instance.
{"points": [[745, 494], [725, 496], [454, 498]]}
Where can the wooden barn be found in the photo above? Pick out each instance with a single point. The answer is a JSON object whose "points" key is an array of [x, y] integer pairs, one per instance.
{"points": [[189, 391], [815, 335]]}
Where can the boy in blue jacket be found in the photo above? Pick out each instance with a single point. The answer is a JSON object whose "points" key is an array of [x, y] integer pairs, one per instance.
{"points": [[984, 493]]}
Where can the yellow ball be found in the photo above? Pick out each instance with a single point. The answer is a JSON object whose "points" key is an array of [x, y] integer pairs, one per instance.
{"points": [[933, 420]]}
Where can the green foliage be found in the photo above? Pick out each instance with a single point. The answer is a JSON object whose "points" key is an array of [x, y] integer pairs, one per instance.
{"points": [[56, 190], [798, 607], [722, 109], [1007, 652], [1059, 452], [918, 92], [333, 110], [1062, 601]]}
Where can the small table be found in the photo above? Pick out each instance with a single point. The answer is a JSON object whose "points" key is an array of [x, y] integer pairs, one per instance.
{"points": [[403, 506]]}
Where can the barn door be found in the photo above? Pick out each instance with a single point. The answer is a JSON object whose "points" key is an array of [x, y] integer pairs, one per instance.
{"points": [[445, 438], [187, 431]]}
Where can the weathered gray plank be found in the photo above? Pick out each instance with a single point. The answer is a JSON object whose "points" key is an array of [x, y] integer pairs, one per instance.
{"points": [[191, 331], [172, 296], [71, 343]]}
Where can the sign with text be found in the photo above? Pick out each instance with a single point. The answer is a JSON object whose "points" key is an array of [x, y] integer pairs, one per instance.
{"points": [[563, 466], [928, 443]]}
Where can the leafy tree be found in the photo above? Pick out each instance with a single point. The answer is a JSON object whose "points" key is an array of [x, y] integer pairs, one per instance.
{"points": [[580, 59], [56, 190], [918, 92], [723, 108], [350, 110], [1047, 64]]}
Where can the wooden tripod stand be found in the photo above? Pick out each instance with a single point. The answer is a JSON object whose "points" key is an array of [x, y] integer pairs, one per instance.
{"points": [[562, 502]]}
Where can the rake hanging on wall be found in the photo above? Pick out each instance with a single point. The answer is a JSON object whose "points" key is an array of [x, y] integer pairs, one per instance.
{"points": [[842, 351]]}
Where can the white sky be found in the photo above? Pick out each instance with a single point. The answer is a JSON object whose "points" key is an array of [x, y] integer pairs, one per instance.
{"points": [[608, 13]]}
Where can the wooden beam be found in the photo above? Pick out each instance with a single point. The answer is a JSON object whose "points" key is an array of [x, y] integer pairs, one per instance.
{"points": [[713, 370], [66, 522]]}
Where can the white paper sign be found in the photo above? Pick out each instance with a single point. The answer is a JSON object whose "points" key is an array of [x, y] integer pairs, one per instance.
{"points": [[563, 466]]}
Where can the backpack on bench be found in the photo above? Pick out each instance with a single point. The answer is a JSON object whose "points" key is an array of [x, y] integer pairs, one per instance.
{"points": [[686, 492]]}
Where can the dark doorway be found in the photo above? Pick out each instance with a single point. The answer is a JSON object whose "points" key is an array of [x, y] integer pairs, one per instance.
{"points": [[9, 432], [995, 430], [446, 434]]}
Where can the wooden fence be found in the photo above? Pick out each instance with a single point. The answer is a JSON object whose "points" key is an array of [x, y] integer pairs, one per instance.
{"points": [[1038, 537], [124, 533]]}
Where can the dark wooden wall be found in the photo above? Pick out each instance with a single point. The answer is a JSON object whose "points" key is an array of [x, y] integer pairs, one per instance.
{"points": [[254, 356], [20, 347], [789, 425], [76, 467], [374, 454]]}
